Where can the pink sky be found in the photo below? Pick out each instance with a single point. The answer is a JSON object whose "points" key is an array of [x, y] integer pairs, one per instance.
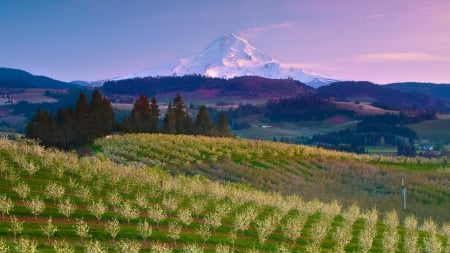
{"points": [[381, 41]]}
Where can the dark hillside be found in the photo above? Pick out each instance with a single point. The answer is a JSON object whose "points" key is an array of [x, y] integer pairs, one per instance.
{"points": [[248, 86], [382, 96], [438, 91], [15, 78]]}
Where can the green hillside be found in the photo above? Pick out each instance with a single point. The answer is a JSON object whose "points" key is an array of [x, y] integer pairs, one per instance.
{"points": [[433, 130], [292, 169], [98, 205]]}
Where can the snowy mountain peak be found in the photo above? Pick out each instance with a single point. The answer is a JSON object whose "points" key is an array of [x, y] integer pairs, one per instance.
{"points": [[229, 56], [230, 47], [226, 57]]}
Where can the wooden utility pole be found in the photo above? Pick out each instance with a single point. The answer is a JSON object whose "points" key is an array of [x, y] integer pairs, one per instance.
{"points": [[404, 195]]}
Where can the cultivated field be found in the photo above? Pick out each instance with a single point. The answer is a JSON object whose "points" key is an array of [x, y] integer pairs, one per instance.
{"points": [[57, 202], [433, 130]]}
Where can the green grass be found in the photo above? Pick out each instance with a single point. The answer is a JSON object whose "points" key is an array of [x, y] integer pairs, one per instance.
{"points": [[290, 130], [382, 150]]}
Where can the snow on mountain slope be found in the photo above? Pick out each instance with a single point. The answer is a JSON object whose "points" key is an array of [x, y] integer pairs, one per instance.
{"points": [[229, 56]]}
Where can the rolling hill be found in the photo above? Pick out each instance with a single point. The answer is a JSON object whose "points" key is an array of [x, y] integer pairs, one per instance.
{"points": [[200, 88], [97, 205], [15, 78], [382, 96], [293, 169], [438, 91]]}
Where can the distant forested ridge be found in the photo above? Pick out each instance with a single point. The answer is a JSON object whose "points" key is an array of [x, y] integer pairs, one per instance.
{"points": [[15, 78], [383, 96], [246, 86], [438, 91], [305, 108]]}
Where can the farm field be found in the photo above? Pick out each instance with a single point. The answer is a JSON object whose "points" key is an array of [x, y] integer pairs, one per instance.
{"points": [[363, 108], [433, 130], [33, 95], [293, 130], [382, 150], [292, 169], [54, 201]]}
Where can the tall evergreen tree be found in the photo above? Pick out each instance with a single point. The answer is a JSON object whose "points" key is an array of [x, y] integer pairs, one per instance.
{"points": [[101, 116], [169, 120], [154, 116], [183, 123], [188, 125], [82, 119], [95, 115], [70, 128], [108, 116], [203, 122], [140, 117], [64, 129], [40, 127], [223, 126]]}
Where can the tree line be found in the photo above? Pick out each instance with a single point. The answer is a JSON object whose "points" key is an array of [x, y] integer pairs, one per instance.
{"points": [[144, 118], [70, 128], [308, 107], [374, 130]]}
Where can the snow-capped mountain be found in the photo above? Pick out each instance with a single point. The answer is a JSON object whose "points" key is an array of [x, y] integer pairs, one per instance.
{"points": [[229, 56]]}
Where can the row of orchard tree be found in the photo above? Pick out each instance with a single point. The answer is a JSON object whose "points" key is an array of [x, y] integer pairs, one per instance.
{"points": [[94, 118], [144, 118]]}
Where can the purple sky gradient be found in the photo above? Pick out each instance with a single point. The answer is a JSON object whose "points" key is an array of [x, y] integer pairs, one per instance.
{"points": [[381, 41]]}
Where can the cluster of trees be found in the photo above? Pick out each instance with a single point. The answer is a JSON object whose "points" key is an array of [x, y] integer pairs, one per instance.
{"points": [[73, 127], [245, 86], [151, 86], [302, 108], [403, 118], [69, 128], [144, 118], [374, 130]]}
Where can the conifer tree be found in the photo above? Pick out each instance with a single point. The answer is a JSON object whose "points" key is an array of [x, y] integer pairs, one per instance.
{"points": [[70, 128], [40, 127], [188, 125], [64, 128], [154, 115], [169, 120], [203, 124], [81, 119], [101, 116], [139, 119], [183, 123], [223, 126]]}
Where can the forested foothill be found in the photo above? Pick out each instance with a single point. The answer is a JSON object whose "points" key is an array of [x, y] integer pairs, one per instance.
{"points": [[246, 86], [247, 103], [375, 130], [370, 130]]}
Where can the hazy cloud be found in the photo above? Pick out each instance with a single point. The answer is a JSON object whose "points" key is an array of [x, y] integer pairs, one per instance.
{"points": [[304, 65], [410, 56], [271, 27], [266, 28]]}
